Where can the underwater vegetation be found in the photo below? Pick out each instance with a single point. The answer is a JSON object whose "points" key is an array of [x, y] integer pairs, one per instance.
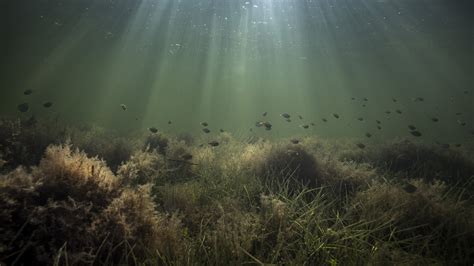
{"points": [[80, 195]]}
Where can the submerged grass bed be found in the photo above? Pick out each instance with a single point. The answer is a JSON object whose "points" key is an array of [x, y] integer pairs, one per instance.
{"points": [[80, 200]]}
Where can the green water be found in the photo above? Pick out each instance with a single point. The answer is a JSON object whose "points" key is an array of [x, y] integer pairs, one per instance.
{"points": [[228, 61]]}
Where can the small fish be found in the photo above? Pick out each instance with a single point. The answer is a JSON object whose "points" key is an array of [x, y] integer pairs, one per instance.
{"points": [[388, 112], [466, 92], [153, 130], [336, 116], [378, 122], [398, 111], [169, 122], [418, 99], [415, 133], [214, 143], [411, 127], [295, 141], [353, 98], [206, 130], [124, 107], [28, 92], [288, 120], [366, 100], [394, 100], [409, 188], [24, 107], [312, 124], [285, 115], [461, 123], [360, 145], [300, 117], [368, 135], [47, 104], [264, 114], [434, 119], [360, 119], [187, 156], [204, 124], [324, 120], [379, 127], [364, 105], [305, 126], [221, 130], [267, 125]]}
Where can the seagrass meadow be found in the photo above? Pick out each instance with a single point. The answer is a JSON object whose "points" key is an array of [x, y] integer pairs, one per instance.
{"points": [[233, 132]]}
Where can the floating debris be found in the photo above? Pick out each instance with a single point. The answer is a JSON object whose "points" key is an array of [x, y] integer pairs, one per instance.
{"points": [[47, 104], [24, 107], [204, 124], [124, 107], [153, 130], [206, 130], [305, 126], [411, 127], [28, 92], [214, 143], [285, 115], [368, 135], [295, 141], [336, 116], [415, 133], [360, 145]]}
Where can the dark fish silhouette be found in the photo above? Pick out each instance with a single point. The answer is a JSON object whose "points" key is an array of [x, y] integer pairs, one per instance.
{"points": [[434, 119], [169, 122], [388, 112], [28, 92], [24, 107], [378, 122], [300, 117], [47, 104], [221, 130], [336, 116], [285, 115], [394, 100], [324, 120], [267, 125], [411, 127], [419, 99], [398, 111], [214, 143], [264, 114], [415, 133], [360, 145], [305, 126], [379, 127], [206, 130], [153, 129], [360, 119], [204, 124], [368, 135], [124, 107]]}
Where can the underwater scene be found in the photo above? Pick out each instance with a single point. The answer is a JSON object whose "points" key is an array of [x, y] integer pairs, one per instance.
{"points": [[236, 132]]}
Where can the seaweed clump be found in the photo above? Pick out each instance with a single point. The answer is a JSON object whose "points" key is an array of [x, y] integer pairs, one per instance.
{"points": [[72, 207]]}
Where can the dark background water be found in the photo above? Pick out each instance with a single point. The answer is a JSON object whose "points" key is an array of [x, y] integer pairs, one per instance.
{"points": [[227, 61]]}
